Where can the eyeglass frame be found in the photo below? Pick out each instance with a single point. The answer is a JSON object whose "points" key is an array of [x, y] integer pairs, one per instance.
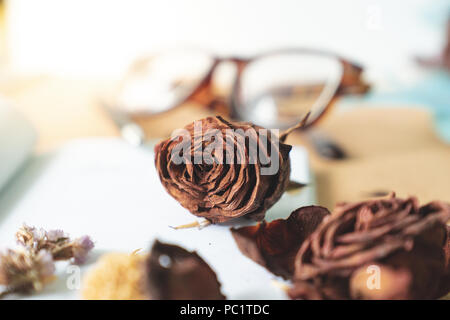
{"points": [[351, 82]]}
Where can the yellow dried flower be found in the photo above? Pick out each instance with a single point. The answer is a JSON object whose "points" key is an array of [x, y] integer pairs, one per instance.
{"points": [[116, 276]]}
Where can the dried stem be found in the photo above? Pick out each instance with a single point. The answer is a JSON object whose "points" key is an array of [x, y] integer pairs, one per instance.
{"points": [[136, 252], [302, 123], [195, 224], [281, 285]]}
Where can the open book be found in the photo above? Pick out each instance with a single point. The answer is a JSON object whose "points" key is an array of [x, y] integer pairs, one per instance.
{"points": [[17, 138]]}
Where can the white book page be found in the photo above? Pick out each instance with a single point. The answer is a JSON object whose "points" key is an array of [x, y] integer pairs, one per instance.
{"points": [[17, 137], [110, 191]]}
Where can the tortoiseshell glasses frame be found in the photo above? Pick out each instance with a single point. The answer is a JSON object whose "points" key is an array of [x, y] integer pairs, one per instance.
{"points": [[350, 82]]}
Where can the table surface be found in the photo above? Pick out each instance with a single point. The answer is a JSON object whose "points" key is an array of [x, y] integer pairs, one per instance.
{"points": [[390, 149], [67, 190]]}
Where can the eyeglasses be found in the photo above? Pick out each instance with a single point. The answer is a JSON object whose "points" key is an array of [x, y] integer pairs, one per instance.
{"points": [[274, 90]]}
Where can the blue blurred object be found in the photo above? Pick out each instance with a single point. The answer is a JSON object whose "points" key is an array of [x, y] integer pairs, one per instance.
{"points": [[433, 93]]}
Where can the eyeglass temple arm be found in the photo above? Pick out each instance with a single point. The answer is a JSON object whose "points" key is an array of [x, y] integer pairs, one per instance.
{"points": [[352, 80], [204, 94]]}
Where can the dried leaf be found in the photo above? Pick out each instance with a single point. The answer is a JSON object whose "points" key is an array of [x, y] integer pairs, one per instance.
{"points": [[176, 274], [274, 245]]}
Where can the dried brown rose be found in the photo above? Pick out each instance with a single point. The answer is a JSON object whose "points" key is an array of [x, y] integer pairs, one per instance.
{"points": [[447, 250], [176, 274], [274, 245], [231, 183], [403, 242], [445, 287]]}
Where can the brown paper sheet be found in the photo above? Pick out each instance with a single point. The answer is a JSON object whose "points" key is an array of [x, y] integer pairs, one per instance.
{"points": [[390, 149]]}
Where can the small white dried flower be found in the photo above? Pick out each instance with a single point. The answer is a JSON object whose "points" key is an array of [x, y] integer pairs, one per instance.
{"points": [[81, 248], [24, 271], [31, 266]]}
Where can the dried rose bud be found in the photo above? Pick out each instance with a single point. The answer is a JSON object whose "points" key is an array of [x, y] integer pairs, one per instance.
{"points": [[392, 245], [274, 245], [221, 170], [176, 274], [25, 271]]}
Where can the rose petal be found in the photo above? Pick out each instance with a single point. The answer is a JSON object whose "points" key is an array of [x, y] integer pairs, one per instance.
{"points": [[393, 284], [274, 245], [398, 234]]}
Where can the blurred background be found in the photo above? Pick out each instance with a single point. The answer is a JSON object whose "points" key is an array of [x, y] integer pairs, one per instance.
{"points": [[61, 60], [99, 38]]}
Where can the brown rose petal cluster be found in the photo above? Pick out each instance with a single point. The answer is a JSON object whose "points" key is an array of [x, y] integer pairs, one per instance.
{"points": [[222, 190], [336, 256], [402, 242]]}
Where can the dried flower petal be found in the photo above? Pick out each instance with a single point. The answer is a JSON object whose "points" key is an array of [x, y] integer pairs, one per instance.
{"points": [[394, 284], [232, 184], [274, 245], [23, 271], [81, 248], [447, 250], [407, 240], [176, 274], [57, 242], [56, 235], [32, 265], [445, 283], [30, 237], [331, 289]]}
